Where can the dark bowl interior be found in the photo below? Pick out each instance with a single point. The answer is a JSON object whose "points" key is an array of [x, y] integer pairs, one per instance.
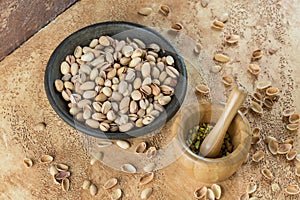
{"points": [[118, 30]]}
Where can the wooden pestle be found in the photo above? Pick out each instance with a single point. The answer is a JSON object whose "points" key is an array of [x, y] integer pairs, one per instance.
{"points": [[211, 145]]}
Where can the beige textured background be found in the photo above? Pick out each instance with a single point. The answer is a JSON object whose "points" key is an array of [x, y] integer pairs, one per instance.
{"points": [[263, 24]]}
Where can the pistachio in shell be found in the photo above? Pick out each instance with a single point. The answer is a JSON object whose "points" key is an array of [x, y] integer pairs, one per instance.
{"points": [[46, 159], [117, 194], [146, 193], [110, 183]]}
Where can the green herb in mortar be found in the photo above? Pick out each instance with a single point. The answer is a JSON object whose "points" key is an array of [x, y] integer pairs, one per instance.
{"points": [[197, 134]]}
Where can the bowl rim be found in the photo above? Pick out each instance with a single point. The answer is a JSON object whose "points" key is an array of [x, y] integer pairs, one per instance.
{"points": [[154, 126]]}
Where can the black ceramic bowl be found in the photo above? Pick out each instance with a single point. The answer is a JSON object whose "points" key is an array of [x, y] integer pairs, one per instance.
{"points": [[117, 30]]}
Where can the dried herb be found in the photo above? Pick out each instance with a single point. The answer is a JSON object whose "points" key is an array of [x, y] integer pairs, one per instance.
{"points": [[197, 134]]}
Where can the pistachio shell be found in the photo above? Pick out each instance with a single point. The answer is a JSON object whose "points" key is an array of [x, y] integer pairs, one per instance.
{"points": [[291, 155], [165, 10], [177, 27], [204, 3], [232, 39], [261, 85], [129, 168], [227, 80], [258, 156], [245, 196], [292, 127], [257, 97], [117, 194], [256, 107], [221, 58], [294, 118], [151, 152], [110, 183], [272, 91], [251, 188], [27, 162], [202, 89], [46, 159], [146, 178], [257, 54], [292, 189], [288, 112], [284, 148], [172, 72], [146, 193], [141, 147], [217, 25], [53, 171], [268, 102], [267, 173], [297, 171], [273, 147], [200, 193], [65, 184], [254, 69]]}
